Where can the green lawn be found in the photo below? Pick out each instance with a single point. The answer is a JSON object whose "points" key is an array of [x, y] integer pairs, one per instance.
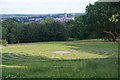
{"points": [[84, 60]]}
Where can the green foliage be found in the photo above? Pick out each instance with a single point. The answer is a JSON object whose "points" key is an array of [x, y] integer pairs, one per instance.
{"points": [[89, 25], [4, 42], [9, 24], [97, 20], [34, 32], [4, 33], [0, 32], [69, 26], [79, 30], [7, 32], [56, 31], [11, 38], [48, 20], [17, 31], [114, 18]]}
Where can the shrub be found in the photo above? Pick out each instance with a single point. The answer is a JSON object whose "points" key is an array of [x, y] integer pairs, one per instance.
{"points": [[4, 42]]}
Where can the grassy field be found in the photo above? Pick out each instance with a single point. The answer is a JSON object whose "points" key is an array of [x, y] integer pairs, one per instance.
{"points": [[80, 59]]}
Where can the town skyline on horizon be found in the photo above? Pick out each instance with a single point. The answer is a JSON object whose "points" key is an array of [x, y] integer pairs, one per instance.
{"points": [[29, 18]]}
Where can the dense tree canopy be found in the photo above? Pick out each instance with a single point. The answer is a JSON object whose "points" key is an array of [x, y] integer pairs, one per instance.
{"points": [[48, 20], [97, 19], [33, 32]]}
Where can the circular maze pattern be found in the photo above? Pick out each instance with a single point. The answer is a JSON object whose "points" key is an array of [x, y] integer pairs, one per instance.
{"points": [[20, 56]]}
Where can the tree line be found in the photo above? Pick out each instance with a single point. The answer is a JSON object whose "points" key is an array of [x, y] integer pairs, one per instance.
{"points": [[14, 31], [100, 21]]}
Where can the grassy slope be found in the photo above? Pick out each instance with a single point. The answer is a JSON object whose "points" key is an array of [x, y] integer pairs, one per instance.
{"points": [[89, 68], [31, 67]]}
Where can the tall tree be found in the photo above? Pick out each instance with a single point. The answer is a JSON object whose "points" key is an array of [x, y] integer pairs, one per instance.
{"points": [[17, 30], [4, 33], [97, 18], [79, 28]]}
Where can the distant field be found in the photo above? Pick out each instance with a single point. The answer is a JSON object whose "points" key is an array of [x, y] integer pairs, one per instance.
{"points": [[68, 59]]}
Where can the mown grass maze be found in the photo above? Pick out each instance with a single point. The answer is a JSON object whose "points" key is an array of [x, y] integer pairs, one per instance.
{"points": [[61, 60]]}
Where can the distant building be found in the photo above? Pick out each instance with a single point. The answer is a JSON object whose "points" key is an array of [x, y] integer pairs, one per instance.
{"points": [[65, 16]]}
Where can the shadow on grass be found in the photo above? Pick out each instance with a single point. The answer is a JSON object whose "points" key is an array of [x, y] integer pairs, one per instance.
{"points": [[94, 48]]}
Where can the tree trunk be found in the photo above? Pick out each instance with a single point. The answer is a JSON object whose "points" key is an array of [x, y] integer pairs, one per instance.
{"points": [[18, 41], [113, 39], [114, 36]]}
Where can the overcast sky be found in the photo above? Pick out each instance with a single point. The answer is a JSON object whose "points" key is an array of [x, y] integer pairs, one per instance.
{"points": [[43, 6]]}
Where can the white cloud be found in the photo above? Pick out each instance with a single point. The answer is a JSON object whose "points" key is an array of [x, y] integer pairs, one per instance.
{"points": [[43, 6]]}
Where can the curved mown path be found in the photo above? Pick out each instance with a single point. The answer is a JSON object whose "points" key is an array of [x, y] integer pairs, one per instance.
{"points": [[8, 56]]}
